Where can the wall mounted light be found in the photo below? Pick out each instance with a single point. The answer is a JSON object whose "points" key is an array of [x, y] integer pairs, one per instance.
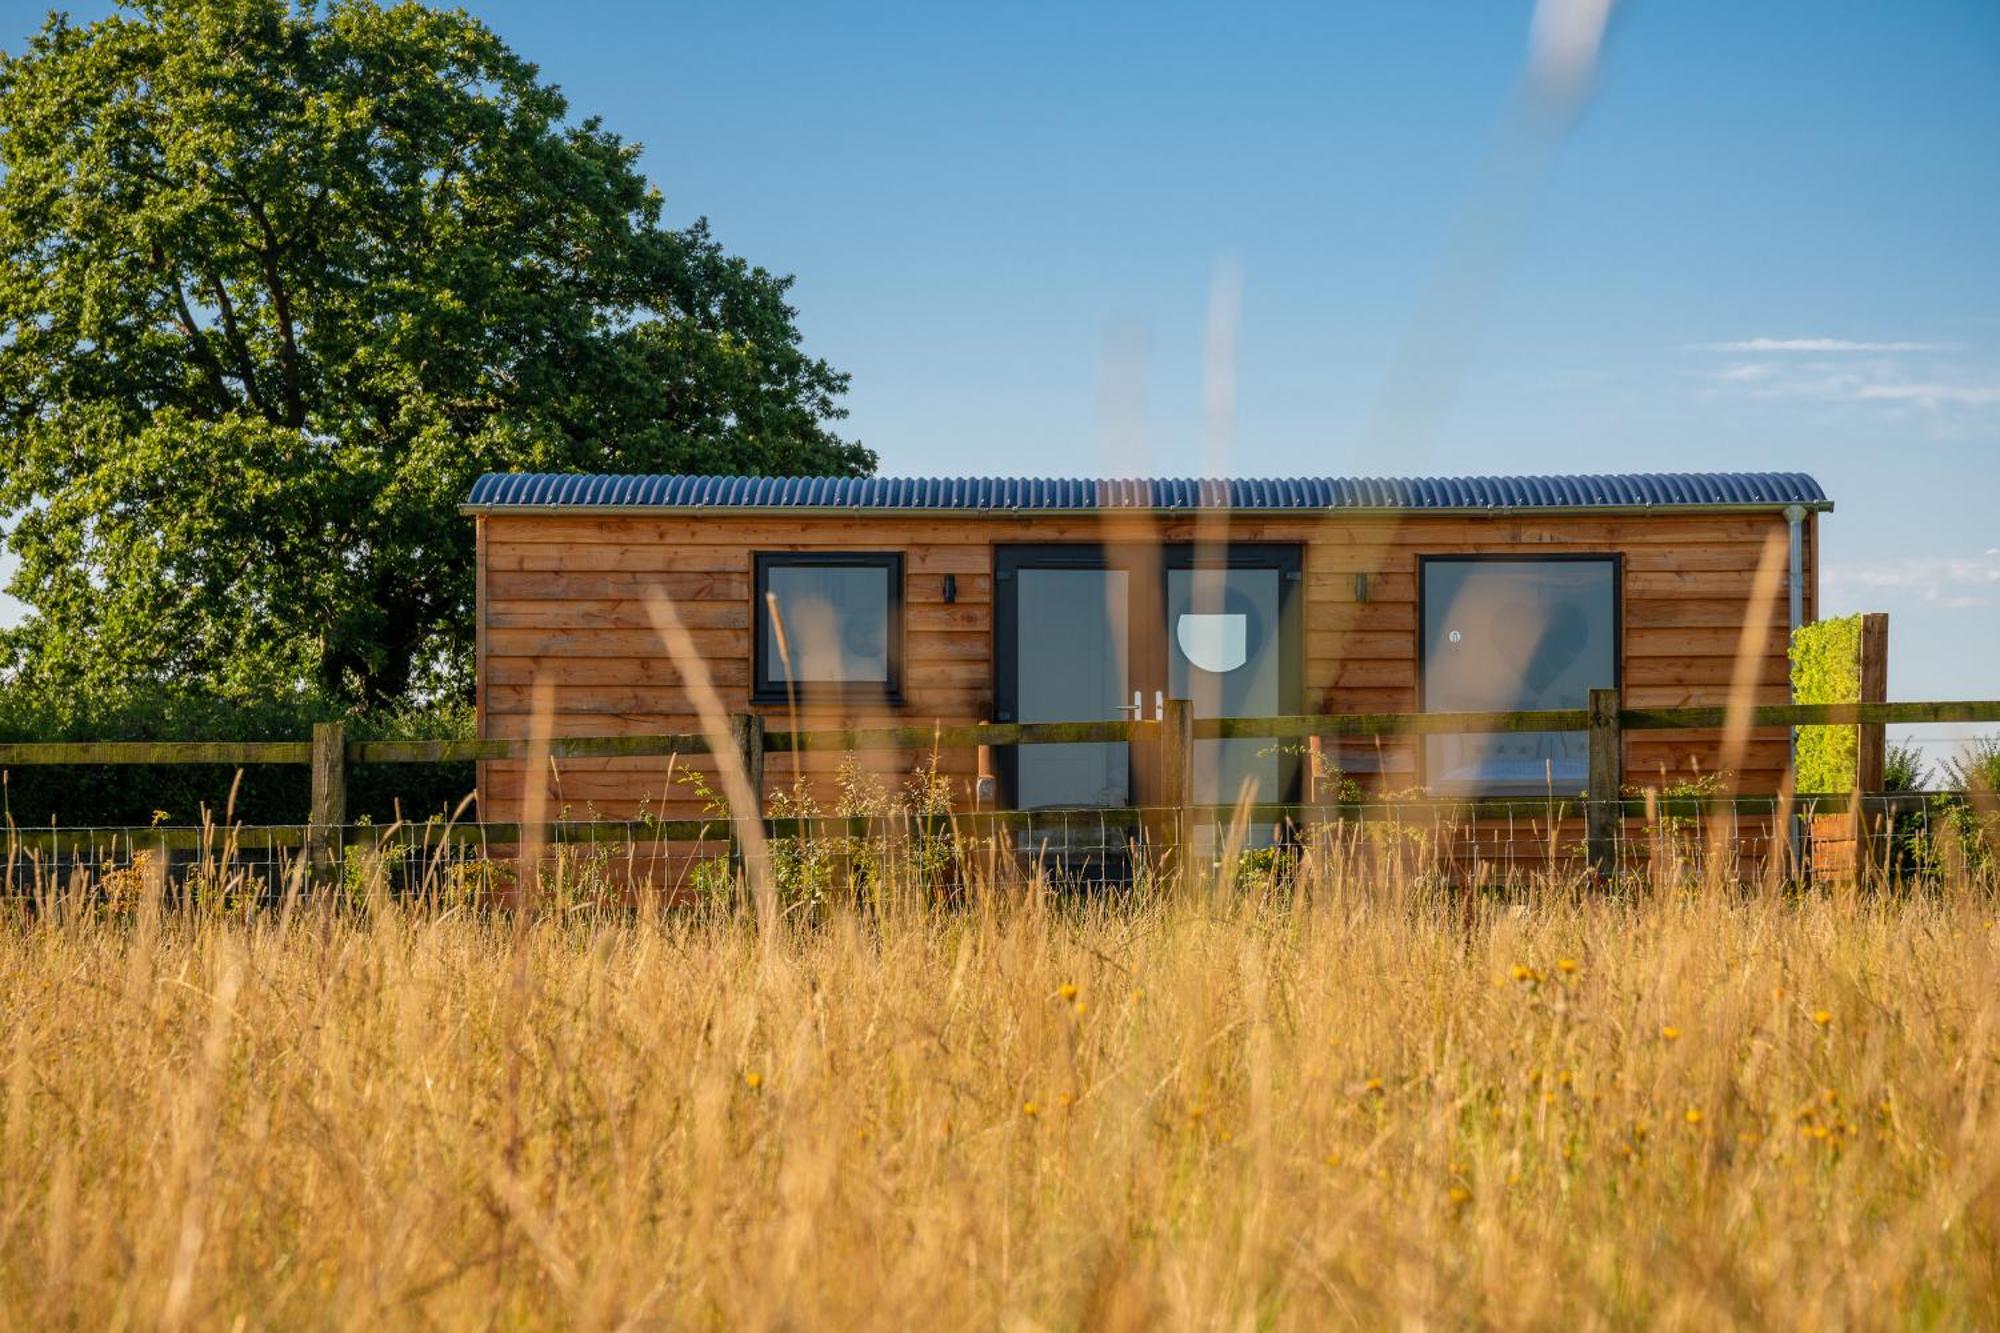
{"points": [[1360, 587], [951, 587]]}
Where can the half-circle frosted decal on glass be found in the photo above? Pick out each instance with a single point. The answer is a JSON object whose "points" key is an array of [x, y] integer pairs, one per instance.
{"points": [[1217, 642]]}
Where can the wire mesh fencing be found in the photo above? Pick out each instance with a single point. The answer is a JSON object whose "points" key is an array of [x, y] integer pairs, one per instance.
{"points": [[1476, 844]]}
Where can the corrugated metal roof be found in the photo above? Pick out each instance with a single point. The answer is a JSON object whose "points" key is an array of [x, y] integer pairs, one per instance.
{"points": [[1647, 490]]}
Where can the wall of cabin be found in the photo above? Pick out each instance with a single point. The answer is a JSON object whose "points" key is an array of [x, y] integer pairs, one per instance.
{"points": [[561, 609]]}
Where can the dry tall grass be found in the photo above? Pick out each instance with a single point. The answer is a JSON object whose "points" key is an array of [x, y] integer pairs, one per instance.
{"points": [[1350, 1103]]}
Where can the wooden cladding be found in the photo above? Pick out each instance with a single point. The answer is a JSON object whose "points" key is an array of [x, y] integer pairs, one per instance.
{"points": [[562, 601]]}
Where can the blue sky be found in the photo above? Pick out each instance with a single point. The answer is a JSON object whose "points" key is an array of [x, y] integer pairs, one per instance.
{"points": [[1769, 238]]}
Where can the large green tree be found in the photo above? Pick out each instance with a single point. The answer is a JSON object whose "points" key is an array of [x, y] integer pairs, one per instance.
{"points": [[276, 283]]}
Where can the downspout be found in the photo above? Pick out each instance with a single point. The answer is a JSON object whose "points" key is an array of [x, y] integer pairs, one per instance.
{"points": [[1795, 519]]}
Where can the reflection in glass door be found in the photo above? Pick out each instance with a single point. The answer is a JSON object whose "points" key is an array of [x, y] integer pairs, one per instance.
{"points": [[1225, 653], [1506, 633]]}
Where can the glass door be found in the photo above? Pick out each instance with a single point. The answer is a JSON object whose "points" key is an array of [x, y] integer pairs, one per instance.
{"points": [[1064, 653], [1090, 633], [1232, 647]]}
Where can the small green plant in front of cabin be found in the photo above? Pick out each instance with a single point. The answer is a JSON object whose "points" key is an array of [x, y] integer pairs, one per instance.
{"points": [[805, 865], [1676, 830], [1325, 773]]}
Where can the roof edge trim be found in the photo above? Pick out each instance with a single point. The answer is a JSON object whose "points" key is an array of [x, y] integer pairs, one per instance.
{"points": [[1017, 511], [1678, 492]]}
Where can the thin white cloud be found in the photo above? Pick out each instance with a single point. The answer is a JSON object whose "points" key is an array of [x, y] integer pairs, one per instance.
{"points": [[1931, 395], [1745, 373], [1951, 391], [1819, 345], [1950, 582]]}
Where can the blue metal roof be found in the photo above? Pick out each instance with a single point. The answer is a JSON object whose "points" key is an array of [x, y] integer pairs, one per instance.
{"points": [[1648, 490]]}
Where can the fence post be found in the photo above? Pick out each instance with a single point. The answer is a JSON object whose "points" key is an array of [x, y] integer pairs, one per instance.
{"points": [[1870, 737], [1602, 812], [329, 796], [1177, 781], [746, 731]]}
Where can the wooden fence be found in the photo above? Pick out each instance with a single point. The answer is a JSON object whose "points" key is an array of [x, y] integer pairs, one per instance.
{"points": [[330, 754]]}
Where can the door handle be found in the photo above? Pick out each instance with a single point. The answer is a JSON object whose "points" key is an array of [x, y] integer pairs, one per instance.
{"points": [[1136, 708]]}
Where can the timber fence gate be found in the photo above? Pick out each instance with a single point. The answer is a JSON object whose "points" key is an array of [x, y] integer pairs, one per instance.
{"points": [[1604, 806]]}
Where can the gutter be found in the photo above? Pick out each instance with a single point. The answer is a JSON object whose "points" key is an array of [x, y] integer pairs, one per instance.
{"points": [[1795, 520]]}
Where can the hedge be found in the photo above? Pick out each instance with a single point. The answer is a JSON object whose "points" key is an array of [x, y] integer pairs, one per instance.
{"points": [[1826, 669]]}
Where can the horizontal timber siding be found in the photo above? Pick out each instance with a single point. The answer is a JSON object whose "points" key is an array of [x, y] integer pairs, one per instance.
{"points": [[563, 600]]}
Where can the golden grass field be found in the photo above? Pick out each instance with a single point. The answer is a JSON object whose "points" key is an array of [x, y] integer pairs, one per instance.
{"points": [[1353, 1101]]}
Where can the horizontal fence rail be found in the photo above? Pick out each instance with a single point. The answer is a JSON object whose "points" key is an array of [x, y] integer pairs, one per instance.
{"points": [[27, 754], [1299, 727], [1604, 806]]}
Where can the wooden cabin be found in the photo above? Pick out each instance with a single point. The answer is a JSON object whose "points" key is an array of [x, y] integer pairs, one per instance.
{"points": [[863, 601]]}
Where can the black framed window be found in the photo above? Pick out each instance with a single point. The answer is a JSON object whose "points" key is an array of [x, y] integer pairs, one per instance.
{"points": [[1506, 633], [829, 624]]}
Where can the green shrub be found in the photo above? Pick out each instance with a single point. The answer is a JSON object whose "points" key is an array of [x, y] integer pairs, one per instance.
{"points": [[1826, 669], [1903, 768], [1976, 768]]}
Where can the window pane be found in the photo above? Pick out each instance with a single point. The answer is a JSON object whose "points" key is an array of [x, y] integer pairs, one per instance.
{"points": [[1509, 636], [836, 624]]}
